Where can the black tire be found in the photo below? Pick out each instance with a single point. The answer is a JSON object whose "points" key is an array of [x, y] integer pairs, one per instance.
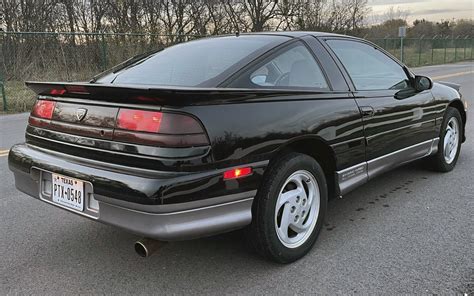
{"points": [[438, 161], [261, 234]]}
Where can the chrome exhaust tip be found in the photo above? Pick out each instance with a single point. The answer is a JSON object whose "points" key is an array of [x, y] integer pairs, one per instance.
{"points": [[147, 246]]}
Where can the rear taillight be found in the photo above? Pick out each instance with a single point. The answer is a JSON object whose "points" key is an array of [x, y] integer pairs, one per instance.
{"points": [[43, 109], [139, 120], [159, 129], [42, 113]]}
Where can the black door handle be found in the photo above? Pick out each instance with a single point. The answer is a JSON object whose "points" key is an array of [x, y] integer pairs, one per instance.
{"points": [[367, 111]]}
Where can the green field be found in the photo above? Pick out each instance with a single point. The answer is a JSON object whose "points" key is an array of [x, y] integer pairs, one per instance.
{"points": [[413, 58], [19, 97]]}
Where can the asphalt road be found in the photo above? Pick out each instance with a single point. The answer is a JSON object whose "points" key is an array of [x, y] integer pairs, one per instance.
{"points": [[408, 231]]}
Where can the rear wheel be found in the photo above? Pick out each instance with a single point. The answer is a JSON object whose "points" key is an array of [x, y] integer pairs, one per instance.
{"points": [[449, 145], [289, 209]]}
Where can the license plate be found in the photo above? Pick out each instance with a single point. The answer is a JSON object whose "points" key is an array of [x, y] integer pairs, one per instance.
{"points": [[68, 192]]}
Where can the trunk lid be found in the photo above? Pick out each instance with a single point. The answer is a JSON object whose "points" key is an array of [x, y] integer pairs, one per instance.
{"points": [[115, 124]]}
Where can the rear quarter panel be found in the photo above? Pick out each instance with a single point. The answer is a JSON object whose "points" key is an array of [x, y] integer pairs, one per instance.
{"points": [[255, 130]]}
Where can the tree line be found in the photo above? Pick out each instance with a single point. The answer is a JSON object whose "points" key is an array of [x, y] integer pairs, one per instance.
{"points": [[182, 16], [421, 29], [212, 17]]}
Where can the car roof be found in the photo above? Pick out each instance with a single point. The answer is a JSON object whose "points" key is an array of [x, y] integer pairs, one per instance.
{"points": [[297, 34]]}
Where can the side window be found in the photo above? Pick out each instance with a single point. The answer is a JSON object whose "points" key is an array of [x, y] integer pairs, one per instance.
{"points": [[294, 67], [369, 68]]}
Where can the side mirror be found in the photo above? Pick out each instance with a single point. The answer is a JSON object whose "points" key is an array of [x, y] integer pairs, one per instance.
{"points": [[423, 83]]}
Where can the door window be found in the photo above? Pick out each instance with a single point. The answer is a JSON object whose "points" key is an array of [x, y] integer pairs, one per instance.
{"points": [[368, 67]]}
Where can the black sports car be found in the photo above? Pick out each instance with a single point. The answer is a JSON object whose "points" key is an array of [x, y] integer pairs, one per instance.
{"points": [[247, 131]]}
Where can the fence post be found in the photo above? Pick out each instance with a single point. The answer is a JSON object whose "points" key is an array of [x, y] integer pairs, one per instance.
{"points": [[472, 47], [4, 96], [419, 51], [103, 52], [2, 82], [465, 45], [401, 49], [445, 45], [455, 49], [433, 41]]}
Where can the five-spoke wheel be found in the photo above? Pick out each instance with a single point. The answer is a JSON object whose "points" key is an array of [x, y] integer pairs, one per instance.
{"points": [[297, 209], [451, 140], [289, 209], [449, 146]]}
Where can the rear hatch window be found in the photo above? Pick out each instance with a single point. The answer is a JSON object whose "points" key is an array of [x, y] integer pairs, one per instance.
{"points": [[195, 63]]}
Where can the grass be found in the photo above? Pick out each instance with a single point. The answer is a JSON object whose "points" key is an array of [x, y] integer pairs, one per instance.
{"points": [[413, 58], [19, 97]]}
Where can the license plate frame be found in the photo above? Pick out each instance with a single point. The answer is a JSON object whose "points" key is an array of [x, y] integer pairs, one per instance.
{"points": [[68, 192]]}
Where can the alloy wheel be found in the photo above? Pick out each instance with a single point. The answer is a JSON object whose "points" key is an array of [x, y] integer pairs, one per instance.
{"points": [[297, 209]]}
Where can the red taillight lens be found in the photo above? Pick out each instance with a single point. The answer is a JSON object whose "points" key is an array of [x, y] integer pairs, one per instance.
{"points": [[237, 173], [159, 129], [57, 91], [139, 120], [77, 89], [43, 109]]}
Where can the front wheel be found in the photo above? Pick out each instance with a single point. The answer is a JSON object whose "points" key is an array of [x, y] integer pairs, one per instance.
{"points": [[449, 145], [289, 209]]}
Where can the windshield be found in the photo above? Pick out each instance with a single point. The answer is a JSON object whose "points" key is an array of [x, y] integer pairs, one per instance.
{"points": [[192, 63]]}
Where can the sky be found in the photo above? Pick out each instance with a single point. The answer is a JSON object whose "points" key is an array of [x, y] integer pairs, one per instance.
{"points": [[433, 10]]}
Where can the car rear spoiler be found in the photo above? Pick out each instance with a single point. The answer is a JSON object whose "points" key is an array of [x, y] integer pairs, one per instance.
{"points": [[162, 95]]}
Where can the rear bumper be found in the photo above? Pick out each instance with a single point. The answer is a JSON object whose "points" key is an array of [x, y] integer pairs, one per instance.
{"points": [[142, 211]]}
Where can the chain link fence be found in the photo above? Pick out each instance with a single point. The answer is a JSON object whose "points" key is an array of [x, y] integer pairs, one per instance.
{"points": [[66, 56], [418, 52]]}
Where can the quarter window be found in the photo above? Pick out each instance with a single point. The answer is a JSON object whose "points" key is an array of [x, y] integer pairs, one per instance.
{"points": [[369, 68], [294, 68]]}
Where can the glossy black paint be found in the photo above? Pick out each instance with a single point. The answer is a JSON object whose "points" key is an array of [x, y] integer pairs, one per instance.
{"points": [[397, 123], [330, 119], [244, 126], [148, 187]]}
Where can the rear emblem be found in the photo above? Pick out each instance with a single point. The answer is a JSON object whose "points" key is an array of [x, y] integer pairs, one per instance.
{"points": [[81, 113]]}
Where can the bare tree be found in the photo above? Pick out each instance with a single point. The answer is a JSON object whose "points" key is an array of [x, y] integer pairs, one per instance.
{"points": [[90, 14], [236, 13], [220, 22], [200, 18], [358, 10], [9, 11], [260, 12], [310, 15], [286, 14], [151, 15]]}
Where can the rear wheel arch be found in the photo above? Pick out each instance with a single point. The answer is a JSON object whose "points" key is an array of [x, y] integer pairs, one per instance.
{"points": [[316, 148], [268, 234]]}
